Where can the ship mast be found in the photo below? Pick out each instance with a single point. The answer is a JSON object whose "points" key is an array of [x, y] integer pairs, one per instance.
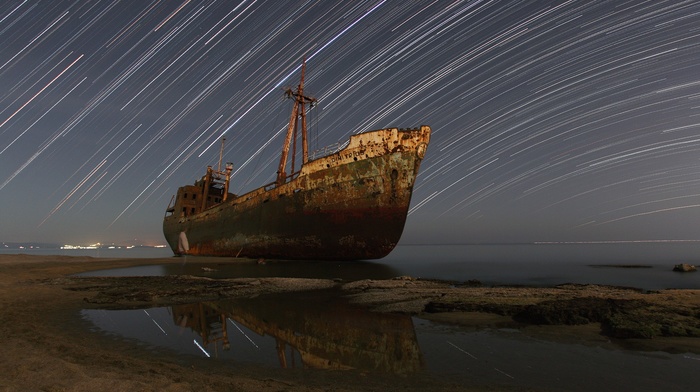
{"points": [[221, 152], [299, 110]]}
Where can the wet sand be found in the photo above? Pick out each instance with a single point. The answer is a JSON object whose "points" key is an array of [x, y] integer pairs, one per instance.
{"points": [[48, 347]]}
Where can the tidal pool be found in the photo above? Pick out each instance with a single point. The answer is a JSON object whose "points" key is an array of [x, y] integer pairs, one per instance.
{"points": [[320, 330]]}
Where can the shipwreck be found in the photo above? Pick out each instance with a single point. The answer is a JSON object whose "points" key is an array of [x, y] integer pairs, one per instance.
{"points": [[348, 203]]}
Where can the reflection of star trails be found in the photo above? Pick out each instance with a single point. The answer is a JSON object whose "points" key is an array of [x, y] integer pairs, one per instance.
{"points": [[460, 349], [155, 322], [201, 348], [244, 334]]}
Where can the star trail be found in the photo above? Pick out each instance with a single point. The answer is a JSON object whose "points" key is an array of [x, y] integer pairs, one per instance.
{"points": [[552, 120]]}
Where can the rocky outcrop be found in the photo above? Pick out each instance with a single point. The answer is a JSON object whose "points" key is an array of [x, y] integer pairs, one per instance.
{"points": [[684, 268]]}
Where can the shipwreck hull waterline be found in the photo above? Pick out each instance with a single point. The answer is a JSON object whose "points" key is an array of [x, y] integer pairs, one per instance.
{"points": [[348, 205]]}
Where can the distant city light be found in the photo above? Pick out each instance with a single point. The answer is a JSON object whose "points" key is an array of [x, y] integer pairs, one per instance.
{"points": [[101, 246], [79, 247], [97, 245]]}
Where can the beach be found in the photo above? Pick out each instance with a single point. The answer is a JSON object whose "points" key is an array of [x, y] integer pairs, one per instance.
{"points": [[48, 347]]}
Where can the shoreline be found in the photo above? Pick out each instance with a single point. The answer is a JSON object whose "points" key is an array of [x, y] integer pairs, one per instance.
{"points": [[40, 301]]}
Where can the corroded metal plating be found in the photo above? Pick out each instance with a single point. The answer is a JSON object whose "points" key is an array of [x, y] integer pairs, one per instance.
{"points": [[351, 204]]}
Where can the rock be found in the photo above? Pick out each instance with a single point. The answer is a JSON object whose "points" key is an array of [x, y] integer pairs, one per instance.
{"points": [[684, 268]]}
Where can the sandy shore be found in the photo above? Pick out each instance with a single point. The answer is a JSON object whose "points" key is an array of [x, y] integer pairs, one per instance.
{"points": [[48, 347]]}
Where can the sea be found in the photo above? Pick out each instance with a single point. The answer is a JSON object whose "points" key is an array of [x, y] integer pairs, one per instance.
{"points": [[314, 332], [644, 265]]}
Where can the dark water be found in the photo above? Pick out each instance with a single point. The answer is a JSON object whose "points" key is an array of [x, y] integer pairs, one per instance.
{"points": [[551, 264], [312, 331], [135, 252], [320, 330], [523, 264]]}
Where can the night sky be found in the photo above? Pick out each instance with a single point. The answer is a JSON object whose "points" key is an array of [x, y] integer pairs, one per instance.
{"points": [[552, 120]]}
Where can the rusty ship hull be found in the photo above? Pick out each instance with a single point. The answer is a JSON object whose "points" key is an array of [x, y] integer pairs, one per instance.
{"points": [[348, 205]]}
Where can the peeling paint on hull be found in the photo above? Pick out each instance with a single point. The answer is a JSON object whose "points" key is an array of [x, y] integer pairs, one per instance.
{"points": [[349, 205]]}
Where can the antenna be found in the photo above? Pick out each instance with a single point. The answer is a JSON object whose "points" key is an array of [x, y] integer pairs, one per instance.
{"points": [[221, 153]]}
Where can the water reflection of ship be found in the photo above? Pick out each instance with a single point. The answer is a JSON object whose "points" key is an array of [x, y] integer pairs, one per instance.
{"points": [[324, 332], [208, 322]]}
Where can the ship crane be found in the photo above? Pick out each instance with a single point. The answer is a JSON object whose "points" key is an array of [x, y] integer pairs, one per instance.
{"points": [[299, 111]]}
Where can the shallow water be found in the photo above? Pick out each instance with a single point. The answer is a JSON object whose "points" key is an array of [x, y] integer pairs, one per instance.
{"points": [[118, 253], [319, 330], [521, 264]]}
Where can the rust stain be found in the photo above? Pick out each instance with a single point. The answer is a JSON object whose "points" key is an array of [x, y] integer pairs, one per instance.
{"points": [[350, 204]]}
